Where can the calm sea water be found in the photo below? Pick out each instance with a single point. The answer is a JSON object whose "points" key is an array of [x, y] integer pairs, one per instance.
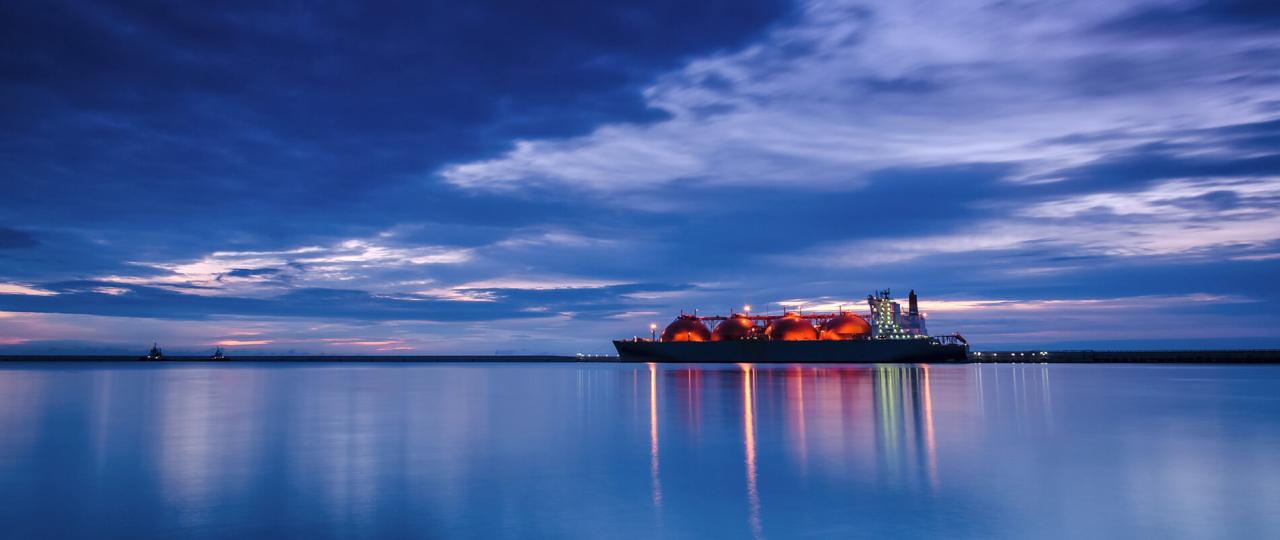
{"points": [[638, 451]]}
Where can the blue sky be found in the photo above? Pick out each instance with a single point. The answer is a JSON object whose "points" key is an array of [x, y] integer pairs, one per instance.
{"points": [[489, 177]]}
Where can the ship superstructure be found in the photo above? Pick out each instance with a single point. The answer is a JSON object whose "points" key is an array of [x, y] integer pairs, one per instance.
{"points": [[884, 334], [889, 322], [154, 353]]}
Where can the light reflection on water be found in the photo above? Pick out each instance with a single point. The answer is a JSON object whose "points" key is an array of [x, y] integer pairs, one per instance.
{"points": [[644, 450]]}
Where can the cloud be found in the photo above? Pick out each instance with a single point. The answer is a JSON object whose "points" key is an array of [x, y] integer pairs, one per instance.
{"points": [[793, 109], [242, 342], [240, 272], [17, 289], [321, 304], [1004, 307], [179, 113], [16, 239], [250, 272], [1182, 199], [1082, 239], [1183, 18]]}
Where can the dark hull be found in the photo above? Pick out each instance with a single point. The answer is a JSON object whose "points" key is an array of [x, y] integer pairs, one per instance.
{"points": [[857, 351]]}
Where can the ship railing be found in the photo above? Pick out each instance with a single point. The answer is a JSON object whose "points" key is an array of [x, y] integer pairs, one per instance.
{"points": [[770, 318]]}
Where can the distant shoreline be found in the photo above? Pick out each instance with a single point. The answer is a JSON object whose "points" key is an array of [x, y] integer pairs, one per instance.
{"points": [[1221, 356], [294, 358]]}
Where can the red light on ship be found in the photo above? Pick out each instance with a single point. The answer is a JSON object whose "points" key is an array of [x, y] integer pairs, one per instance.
{"points": [[686, 328]]}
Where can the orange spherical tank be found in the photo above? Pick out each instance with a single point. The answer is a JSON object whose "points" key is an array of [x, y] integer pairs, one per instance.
{"points": [[792, 328], [686, 328], [734, 328], [845, 326]]}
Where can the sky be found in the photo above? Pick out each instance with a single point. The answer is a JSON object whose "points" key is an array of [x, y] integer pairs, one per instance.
{"points": [[530, 177]]}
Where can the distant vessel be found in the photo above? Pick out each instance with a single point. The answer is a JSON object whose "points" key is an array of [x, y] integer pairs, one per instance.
{"points": [[154, 354], [886, 334], [217, 354]]}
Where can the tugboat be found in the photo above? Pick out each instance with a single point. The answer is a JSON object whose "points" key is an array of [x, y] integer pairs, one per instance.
{"points": [[217, 354], [154, 354]]}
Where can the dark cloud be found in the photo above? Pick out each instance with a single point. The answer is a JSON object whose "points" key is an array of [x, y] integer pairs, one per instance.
{"points": [[16, 239], [1154, 162], [1239, 150], [1197, 16], [743, 223], [900, 85], [325, 113], [251, 272], [1252, 137]]}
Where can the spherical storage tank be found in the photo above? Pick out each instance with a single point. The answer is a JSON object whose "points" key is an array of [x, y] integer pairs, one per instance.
{"points": [[686, 328], [736, 327], [791, 327], [845, 326]]}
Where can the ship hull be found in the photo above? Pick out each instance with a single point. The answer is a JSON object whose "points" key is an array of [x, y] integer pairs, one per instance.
{"points": [[851, 351]]}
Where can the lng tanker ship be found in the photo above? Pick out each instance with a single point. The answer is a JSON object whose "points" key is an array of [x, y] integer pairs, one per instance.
{"points": [[885, 335]]}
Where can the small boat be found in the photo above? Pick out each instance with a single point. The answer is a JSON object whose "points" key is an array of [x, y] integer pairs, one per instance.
{"points": [[217, 354], [154, 354]]}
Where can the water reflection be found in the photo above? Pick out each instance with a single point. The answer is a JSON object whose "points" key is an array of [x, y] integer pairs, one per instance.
{"points": [[749, 440], [800, 445], [931, 445], [655, 477], [877, 419], [648, 450]]}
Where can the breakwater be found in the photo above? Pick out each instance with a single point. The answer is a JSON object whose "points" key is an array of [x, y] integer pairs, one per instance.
{"points": [[1230, 356]]}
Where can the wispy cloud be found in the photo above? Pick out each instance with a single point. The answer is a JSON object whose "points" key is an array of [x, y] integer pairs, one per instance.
{"points": [[1239, 217], [849, 89], [14, 288], [242, 342], [1007, 306], [247, 272]]}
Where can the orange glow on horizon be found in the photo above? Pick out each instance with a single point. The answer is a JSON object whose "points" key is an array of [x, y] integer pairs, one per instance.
{"points": [[242, 342], [359, 342]]}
